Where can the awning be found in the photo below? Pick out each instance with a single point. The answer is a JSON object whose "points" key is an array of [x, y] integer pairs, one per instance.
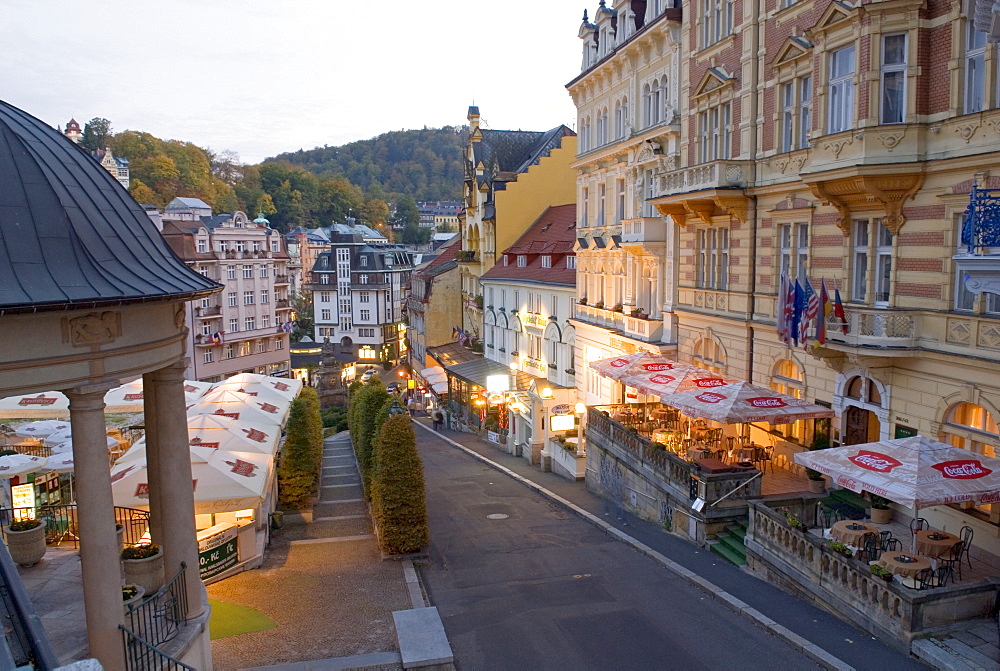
{"points": [[433, 374], [478, 370]]}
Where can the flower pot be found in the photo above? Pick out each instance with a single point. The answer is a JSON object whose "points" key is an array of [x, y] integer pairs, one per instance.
{"points": [[26, 547], [881, 515], [139, 593], [146, 573], [817, 486]]}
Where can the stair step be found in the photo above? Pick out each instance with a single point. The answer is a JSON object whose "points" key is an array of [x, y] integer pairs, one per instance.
{"points": [[740, 532], [734, 543], [726, 553]]}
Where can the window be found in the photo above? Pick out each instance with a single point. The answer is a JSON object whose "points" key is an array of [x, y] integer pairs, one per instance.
{"points": [[248, 272], [796, 99], [571, 262], [366, 315], [546, 261], [205, 302], [522, 260], [364, 261], [279, 343], [975, 69], [365, 297], [600, 204], [656, 101], [619, 200], [245, 349], [247, 298], [787, 379], [324, 315], [324, 297], [202, 246], [647, 106], [275, 245], [871, 239], [265, 321], [965, 300], [265, 296], [716, 21], [840, 116], [805, 110], [234, 325], [230, 272], [893, 78], [794, 249], [714, 133], [584, 210], [787, 116], [363, 279], [208, 356], [971, 427], [713, 259], [255, 246], [647, 208], [229, 351], [232, 298], [534, 347], [709, 355], [261, 346], [205, 328], [264, 271], [251, 323], [241, 245]]}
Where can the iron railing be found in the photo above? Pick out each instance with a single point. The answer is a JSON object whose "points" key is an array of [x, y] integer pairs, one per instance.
{"points": [[981, 230], [142, 656], [61, 522], [24, 642], [157, 619]]}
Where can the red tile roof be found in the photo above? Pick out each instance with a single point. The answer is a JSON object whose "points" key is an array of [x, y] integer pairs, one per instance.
{"points": [[553, 235], [446, 253]]}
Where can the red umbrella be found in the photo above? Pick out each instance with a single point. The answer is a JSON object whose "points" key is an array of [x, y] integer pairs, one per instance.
{"points": [[657, 382], [743, 402], [618, 367]]}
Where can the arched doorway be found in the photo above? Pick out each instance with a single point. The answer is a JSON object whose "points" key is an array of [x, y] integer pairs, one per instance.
{"points": [[862, 406]]}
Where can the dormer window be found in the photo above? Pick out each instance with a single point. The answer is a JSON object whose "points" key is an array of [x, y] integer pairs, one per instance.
{"points": [[202, 246], [546, 261], [506, 260], [522, 260], [364, 261]]}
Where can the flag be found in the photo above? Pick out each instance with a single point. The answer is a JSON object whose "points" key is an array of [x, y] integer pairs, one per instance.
{"points": [[824, 312], [780, 321], [798, 305], [838, 309], [217, 338], [789, 309], [810, 311]]}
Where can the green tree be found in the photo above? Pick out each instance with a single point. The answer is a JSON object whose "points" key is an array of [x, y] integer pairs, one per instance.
{"points": [[446, 228], [374, 212], [407, 213], [363, 412], [398, 497], [96, 134], [298, 472], [265, 206], [302, 303]]}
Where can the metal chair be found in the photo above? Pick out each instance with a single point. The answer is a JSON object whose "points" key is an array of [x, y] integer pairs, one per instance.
{"points": [[942, 575], [921, 580], [966, 535], [954, 558], [883, 538], [870, 550], [892, 545], [917, 524]]}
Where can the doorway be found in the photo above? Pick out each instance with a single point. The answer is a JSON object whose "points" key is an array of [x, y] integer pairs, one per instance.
{"points": [[861, 426]]}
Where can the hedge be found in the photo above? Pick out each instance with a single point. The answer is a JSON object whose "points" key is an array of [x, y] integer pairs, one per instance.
{"points": [[299, 470], [398, 502]]}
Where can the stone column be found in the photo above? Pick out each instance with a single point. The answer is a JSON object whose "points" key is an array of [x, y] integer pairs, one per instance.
{"points": [[99, 560], [171, 480], [152, 455]]}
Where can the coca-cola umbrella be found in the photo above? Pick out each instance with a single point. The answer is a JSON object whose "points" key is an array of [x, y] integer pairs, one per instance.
{"points": [[222, 481], [743, 402], [618, 367], [916, 472], [661, 382]]}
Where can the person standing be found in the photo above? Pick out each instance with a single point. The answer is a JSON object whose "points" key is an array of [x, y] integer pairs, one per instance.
{"points": [[438, 418]]}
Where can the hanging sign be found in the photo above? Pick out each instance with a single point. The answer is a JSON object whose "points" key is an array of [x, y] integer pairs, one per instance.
{"points": [[218, 552]]}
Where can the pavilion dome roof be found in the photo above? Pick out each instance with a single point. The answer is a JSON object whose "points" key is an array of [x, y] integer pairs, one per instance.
{"points": [[72, 236]]}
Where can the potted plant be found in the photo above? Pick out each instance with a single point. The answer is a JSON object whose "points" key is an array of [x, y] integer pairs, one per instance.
{"points": [[617, 308], [26, 541], [816, 483], [880, 572], [143, 566], [840, 548], [881, 513], [131, 595], [795, 523]]}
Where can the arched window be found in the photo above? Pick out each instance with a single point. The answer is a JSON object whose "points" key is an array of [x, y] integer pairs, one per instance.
{"points": [[971, 427], [626, 124], [787, 378], [647, 111], [657, 108], [709, 355], [618, 119], [664, 100]]}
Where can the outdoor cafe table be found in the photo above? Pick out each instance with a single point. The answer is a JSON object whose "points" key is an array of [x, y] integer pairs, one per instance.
{"points": [[934, 543], [850, 532], [904, 563]]}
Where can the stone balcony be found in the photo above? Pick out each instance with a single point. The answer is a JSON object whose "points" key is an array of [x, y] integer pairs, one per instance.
{"points": [[723, 174], [644, 229], [870, 327]]}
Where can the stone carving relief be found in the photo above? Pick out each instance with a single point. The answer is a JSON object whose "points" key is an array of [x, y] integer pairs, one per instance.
{"points": [[92, 329], [989, 336], [959, 331]]}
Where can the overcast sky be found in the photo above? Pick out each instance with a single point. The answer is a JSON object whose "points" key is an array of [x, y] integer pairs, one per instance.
{"points": [[262, 77]]}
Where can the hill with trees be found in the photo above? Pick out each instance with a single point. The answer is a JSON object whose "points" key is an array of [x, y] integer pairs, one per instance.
{"points": [[425, 164], [304, 188]]}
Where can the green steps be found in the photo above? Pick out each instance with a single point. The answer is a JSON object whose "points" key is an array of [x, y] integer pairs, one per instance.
{"points": [[850, 498], [729, 544]]}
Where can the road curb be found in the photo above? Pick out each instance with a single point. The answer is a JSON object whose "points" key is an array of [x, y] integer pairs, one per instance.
{"points": [[811, 650]]}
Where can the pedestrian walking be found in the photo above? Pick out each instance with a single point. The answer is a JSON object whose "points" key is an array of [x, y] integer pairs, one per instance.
{"points": [[438, 418]]}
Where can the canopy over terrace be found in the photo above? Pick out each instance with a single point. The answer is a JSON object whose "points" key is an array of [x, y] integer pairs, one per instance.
{"points": [[916, 472]]}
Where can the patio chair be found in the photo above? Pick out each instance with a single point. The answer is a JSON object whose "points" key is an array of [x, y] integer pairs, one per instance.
{"points": [[942, 576], [761, 458], [870, 550], [917, 524], [826, 517], [883, 538], [966, 535], [953, 559], [892, 545], [922, 580]]}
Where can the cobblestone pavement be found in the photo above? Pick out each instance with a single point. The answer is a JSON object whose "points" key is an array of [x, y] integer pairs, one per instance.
{"points": [[323, 582]]}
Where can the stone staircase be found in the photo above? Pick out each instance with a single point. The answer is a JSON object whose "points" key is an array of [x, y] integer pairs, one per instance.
{"points": [[729, 543]]}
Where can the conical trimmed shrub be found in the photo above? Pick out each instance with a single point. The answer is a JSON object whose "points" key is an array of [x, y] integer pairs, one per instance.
{"points": [[398, 502]]}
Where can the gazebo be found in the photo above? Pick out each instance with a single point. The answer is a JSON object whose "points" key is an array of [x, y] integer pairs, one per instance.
{"points": [[91, 296]]}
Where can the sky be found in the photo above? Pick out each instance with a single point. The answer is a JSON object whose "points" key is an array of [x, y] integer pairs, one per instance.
{"points": [[261, 77]]}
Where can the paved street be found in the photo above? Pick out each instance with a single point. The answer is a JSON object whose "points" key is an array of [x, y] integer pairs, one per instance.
{"points": [[522, 583]]}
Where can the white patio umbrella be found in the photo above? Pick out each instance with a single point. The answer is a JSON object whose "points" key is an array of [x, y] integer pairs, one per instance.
{"points": [[32, 406], [656, 382], [618, 367], [126, 398], [219, 433], [264, 386], [260, 397], [743, 402], [241, 407], [65, 441], [40, 429], [13, 465], [222, 481]]}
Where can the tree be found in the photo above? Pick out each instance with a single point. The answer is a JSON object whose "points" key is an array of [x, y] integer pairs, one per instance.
{"points": [[143, 194], [398, 497], [225, 165], [298, 473], [363, 412], [265, 205], [96, 134], [407, 213], [374, 212], [414, 235], [301, 302], [446, 228]]}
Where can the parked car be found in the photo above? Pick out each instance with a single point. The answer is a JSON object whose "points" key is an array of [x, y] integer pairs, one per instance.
{"points": [[368, 375], [392, 387]]}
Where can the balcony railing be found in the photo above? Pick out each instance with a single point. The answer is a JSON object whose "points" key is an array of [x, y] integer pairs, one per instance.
{"points": [[646, 229], [717, 174], [874, 328], [600, 316], [211, 311], [644, 329], [281, 279], [281, 303], [24, 644], [467, 256]]}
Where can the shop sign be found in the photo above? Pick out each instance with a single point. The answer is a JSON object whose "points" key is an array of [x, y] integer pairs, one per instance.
{"points": [[493, 437], [218, 553], [562, 423], [561, 409], [22, 499]]}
